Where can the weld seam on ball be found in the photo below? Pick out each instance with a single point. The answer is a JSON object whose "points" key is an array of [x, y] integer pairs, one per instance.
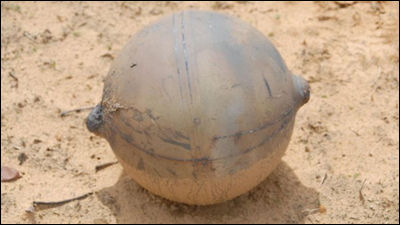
{"points": [[186, 58], [178, 71], [129, 140], [265, 125], [180, 144]]}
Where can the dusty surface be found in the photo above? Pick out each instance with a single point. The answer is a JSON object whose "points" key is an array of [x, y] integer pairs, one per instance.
{"points": [[342, 165]]}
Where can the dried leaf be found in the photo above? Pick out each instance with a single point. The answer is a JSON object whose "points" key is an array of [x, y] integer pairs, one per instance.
{"points": [[107, 55], [9, 174], [322, 209]]}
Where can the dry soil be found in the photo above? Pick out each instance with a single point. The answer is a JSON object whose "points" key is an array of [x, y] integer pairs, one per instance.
{"points": [[342, 164]]}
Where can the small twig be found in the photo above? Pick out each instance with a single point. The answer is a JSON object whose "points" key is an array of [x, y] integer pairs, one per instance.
{"points": [[11, 73], [30, 209], [320, 209], [108, 55], [75, 110], [324, 178], [58, 203], [361, 196], [310, 211], [16, 147], [355, 132], [29, 36], [105, 165], [29, 214]]}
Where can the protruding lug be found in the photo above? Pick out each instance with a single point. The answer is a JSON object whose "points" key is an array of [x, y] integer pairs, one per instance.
{"points": [[94, 121], [302, 89]]}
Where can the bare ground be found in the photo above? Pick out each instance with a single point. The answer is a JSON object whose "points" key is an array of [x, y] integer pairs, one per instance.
{"points": [[342, 165]]}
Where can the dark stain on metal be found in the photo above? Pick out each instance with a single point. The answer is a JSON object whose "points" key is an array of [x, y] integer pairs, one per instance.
{"points": [[194, 174], [196, 121], [137, 115], [148, 135], [130, 126], [180, 144], [150, 114], [156, 171], [95, 119], [140, 165], [204, 161], [151, 152], [180, 135], [235, 85], [126, 137], [171, 172], [237, 137]]}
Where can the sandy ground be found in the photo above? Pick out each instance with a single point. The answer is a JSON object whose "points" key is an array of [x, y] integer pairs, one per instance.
{"points": [[342, 164]]}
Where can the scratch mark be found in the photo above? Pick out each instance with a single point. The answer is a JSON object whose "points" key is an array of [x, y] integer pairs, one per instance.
{"points": [[171, 172], [268, 88], [178, 71], [235, 85], [130, 126], [150, 114], [179, 134], [263, 126], [180, 144], [126, 137], [269, 137], [186, 58], [140, 165]]}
